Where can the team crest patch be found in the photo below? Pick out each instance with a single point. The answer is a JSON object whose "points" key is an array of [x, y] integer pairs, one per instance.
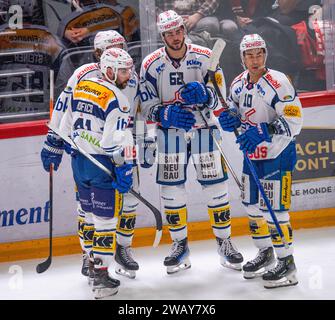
{"points": [[292, 111], [218, 79]]}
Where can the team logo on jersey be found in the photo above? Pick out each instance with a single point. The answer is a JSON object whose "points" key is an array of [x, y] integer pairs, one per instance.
{"points": [[160, 68], [260, 89], [292, 111], [238, 90]]}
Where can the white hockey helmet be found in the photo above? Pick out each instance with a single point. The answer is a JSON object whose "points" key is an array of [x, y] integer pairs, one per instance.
{"points": [[110, 38], [252, 41], [116, 59], [169, 20]]}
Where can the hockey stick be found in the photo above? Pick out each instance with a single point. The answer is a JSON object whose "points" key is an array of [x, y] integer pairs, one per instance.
{"points": [[43, 266], [214, 61], [155, 211]]}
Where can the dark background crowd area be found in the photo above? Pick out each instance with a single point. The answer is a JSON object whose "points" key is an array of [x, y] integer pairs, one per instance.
{"points": [[65, 29]]}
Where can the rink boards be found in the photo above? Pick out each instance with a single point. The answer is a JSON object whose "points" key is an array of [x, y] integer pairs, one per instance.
{"points": [[24, 205]]}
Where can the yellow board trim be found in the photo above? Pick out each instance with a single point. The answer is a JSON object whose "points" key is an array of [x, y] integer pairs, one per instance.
{"points": [[32, 249]]}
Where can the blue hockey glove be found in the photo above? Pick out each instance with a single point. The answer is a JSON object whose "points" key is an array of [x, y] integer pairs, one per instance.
{"points": [[194, 93], [174, 116], [229, 120], [147, 152], [52, 152], [67, 147], [254, 136], [124, 178]]}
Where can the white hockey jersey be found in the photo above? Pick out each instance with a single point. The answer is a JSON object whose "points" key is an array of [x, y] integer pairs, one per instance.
{"points": [[99, 117], [86, 71], [272, 99], [161, 78]]}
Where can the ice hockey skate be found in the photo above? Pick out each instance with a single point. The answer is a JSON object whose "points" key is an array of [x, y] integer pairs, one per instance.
{"points": [[264, 261], [125, 264], [104, 285], [229, 256], [85, 266], [282, 275], [179, 257]]}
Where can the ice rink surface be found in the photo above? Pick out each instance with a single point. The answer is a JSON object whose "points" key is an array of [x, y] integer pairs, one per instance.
{"points": [[206, 280]]}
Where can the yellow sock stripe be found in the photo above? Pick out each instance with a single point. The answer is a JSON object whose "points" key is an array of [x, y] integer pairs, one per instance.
{"points": [[81, 223], [176, 218], [219, 216], [126, 224], [258, 228], [104, 242], [287, 231], [88, 233]]}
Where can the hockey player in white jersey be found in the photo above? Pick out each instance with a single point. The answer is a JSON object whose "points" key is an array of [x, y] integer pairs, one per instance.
{"points": [[99, 119], [126, 264], [264, 105], [173, 84]]}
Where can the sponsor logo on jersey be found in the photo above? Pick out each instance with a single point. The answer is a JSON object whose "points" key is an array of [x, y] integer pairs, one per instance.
{"points": [[260, 153], [206, 52], [90, 139], [273, 81], [87, 69], [292, 111], [152, 58], [288, 97], [121, 124], [194, 63]]}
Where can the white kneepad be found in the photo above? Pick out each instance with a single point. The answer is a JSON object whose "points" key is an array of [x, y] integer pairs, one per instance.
{"points": [[217, 194], [102, 223], [130, 203], [173, 195]]}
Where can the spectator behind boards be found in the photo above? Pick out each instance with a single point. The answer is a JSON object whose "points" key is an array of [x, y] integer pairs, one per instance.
{"points": [[89, 17]]}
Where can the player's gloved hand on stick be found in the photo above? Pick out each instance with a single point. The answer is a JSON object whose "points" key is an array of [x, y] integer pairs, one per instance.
{"points": [[253, 136], [68, 148], [52, 152], [147, 151], [123, 178], [194, 93], [174, 116], [229, 120]]}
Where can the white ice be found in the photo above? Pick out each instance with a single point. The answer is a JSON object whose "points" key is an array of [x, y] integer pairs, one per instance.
{"points": [[206, 280]]}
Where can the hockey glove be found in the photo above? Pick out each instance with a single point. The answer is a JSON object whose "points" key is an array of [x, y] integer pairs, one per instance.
{"points": [[174, 116], [254, 136], [147, 152], [123, 178], [229, 120], [194, 93], [52, 152]]}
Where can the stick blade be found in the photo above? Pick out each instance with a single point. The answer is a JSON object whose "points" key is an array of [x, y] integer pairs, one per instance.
{"points": [[43, 266], [157, 238], [216, 54]]}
